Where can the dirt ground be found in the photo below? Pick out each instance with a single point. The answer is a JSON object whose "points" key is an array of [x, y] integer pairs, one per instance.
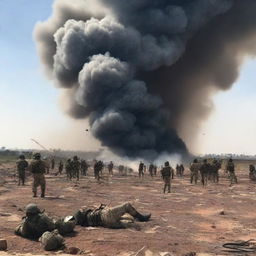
{"points": [[186, 220]]}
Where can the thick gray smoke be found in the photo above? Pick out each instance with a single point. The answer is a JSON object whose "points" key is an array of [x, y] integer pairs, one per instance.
{"points": [[141, 70]]}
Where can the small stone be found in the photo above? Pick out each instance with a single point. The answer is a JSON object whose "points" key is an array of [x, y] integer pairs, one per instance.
{"points": [[222, 212], [190, 254], [3, 245], [213, 226], [73, 250]]}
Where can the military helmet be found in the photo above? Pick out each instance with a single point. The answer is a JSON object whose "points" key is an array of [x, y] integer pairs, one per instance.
{"points": [[230, 160], [166, 163], [21, 157], [195, 160], [32, 209], [75, 158], [37, 155]]}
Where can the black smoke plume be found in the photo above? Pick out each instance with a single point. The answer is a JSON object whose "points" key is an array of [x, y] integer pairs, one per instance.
{"points": [[144, 70]]}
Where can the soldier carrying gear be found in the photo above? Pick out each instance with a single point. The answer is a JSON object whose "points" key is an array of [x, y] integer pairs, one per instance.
{"points": [[216, 165], [109, 217], [182, 169], [194, 168], [110, 168], [52, 163], [252, 172], [177, 170], [37, 168], [141, 170], [22, 165], [84, 167], [151, 170], [36, 222], [98, 166], [204, 171], [69, 169], [167, 173], [75, 167], [231, 170], [61, 165]]}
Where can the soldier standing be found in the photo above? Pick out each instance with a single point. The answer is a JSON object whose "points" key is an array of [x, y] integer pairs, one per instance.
{"points": [[84, 167], [69, 169], [231, 170], [194, 168], [252, 172], [22, 165], [52, 163], [155, 170], [177, 170], [110, 168], [182, 169], [37, 168], [141, 170], [215, 170], [167, 173], [98, 166], [121, 169], [76, 167], [151, 169], [60, 167], [204, 171]]}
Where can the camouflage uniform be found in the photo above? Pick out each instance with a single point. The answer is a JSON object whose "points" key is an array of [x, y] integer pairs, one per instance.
{"points": [[231, 170], [182, 169], [141, 170], [178, 170], [60, 167], [155, 170], [252, 172], [151, 169], [110, 168], [22, 165], [34, 226], [37, 168], [98, 166], [109, 217], [204, 171], [167, 173], [121, 169], [215, 172], [194, 168], [36, 223], [84, 167], [75, 167], [69, 169]]}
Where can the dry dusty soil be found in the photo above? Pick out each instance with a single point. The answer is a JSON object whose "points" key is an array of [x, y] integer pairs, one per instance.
{"points": [[186, 220]]}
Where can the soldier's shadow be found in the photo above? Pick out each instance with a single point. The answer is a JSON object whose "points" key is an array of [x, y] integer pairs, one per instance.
{"points": [[54, 198]]}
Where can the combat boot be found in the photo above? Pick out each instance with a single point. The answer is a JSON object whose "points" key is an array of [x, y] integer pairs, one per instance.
{"points": [[142, 218], [43, 193]]}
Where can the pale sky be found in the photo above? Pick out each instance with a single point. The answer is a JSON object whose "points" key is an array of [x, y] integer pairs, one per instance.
{"points": [[29, 103]]}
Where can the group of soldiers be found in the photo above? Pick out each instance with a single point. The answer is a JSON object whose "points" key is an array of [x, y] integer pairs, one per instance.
{"points": [[37, 168], [205, 170], [210, 171], [74, 167], [152, 169]]}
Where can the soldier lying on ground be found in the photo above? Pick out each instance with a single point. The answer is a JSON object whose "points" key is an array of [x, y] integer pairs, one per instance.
{"points": [[36, 222], [109, 217]]}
